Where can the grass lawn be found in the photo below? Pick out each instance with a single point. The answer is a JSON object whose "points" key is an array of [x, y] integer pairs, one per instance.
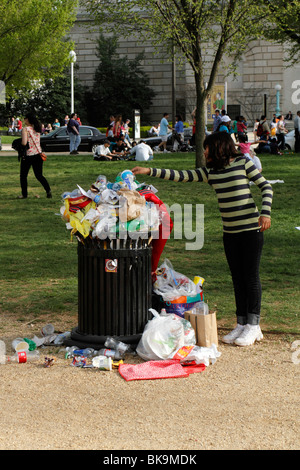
{"points": [[38, 261]]}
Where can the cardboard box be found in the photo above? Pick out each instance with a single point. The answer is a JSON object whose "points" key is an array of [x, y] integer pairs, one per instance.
{"points": [[205, 327]]}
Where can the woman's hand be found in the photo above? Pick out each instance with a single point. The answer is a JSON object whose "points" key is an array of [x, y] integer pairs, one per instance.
{"points": [[139, 170], [264, 223]]}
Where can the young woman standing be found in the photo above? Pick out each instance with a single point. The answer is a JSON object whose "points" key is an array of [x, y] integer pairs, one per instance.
{"points": [[31, 136], [230, 173]]}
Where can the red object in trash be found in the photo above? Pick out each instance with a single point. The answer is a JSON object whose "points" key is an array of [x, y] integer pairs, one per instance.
{"points": [[165, 227], [167, 369], [152, 370]]}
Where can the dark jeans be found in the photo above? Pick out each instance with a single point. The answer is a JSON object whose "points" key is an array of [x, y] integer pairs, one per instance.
{"points": [[281, 141], [37, 165], [243, 252]]}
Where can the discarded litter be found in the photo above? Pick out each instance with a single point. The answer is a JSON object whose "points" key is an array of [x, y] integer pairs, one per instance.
{"points": [[47, 330], [172, 337], [108, 209], [176, 291], [21, 357], [19, 344], [119, 346]]}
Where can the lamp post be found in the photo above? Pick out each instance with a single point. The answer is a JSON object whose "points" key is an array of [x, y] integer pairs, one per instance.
{"points": [[277, 88], [72, 56]]}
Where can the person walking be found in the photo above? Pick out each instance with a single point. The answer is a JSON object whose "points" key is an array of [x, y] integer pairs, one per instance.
{"points": [[31, 139], [73, 131], [280, 132], [163, 133], [230, 173]]}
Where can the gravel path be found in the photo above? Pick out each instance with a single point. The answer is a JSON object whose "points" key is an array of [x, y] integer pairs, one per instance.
{"points": [[248, 399]]}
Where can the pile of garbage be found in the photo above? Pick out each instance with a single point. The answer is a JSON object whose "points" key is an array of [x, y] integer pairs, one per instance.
{"points": [[110, 209], [168, 336], [177, 293]]}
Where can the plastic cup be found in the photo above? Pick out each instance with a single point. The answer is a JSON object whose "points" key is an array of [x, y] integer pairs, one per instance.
{"points": [[47, 330], [102, 362], [20, 345]]}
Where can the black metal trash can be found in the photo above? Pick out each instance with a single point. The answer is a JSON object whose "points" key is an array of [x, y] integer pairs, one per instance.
{"points": [[114, 291]]}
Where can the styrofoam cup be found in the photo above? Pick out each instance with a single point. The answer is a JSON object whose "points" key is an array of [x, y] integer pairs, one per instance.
{"points": [[20, 345]]}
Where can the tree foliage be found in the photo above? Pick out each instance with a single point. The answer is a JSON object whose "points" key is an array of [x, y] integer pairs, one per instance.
{"points": [[50, 100], [203, 31], [120, 84], [33, 41], [283, 26]]}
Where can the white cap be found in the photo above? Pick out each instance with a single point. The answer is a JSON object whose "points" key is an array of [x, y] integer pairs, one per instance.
{"points": [[225, 119]]}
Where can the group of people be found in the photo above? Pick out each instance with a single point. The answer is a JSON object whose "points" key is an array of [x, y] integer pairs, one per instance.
{"points": [[15, 126], [118, 128], [118, 145], [119, 150], [270, 137], [163, 130]]}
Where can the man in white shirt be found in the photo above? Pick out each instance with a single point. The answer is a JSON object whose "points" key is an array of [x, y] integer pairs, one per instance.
{"points": [[102, 152], [142, 151]]}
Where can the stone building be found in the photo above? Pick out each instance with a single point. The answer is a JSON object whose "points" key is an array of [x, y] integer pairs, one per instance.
{"points": [[251, 93]]}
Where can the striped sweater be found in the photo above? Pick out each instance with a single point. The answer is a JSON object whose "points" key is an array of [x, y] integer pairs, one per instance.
{"points": [[231, 184]]}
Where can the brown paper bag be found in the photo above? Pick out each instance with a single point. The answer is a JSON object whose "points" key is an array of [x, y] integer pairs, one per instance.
{"points": [[135, 204], [205, 327]]}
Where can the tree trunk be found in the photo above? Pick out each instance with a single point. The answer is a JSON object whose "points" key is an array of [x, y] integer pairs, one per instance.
{"points": [[200, 120]]}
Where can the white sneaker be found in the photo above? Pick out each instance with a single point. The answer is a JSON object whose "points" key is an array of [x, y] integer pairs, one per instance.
{"points": [[234, 334], [250, 334], [156, 149], [166, 151]]}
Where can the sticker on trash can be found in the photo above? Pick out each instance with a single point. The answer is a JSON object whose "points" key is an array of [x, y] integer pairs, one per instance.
{"points": [[111, 265]]}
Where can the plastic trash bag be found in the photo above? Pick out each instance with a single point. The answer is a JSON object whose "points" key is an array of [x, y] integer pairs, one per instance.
{"points": [[171, 284], [163, 335]]}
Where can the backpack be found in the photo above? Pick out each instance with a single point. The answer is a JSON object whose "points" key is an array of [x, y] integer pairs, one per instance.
{"points": [[260, 130]]}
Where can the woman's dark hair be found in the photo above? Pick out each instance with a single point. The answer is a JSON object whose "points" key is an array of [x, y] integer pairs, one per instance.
{"points": [[34, 121], [179, 117], [221, 149], [242, 138]]}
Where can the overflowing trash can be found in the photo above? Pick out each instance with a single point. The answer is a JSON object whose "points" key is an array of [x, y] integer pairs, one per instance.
{"points": [[120, 228]]}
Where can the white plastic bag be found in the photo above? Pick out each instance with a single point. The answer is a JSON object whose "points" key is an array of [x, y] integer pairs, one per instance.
{"points": [[163, 335], [171, 284]]}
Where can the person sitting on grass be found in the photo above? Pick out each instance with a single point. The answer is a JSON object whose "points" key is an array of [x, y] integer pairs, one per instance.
{"points": [[245, 148], [102, 152]]}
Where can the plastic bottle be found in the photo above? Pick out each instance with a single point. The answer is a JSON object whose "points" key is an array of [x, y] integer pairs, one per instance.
{"points": [[62, 337], [112, 343], [110, 353], [102, 180], [96, 197], [128, 178], [23, 356], [75, 351], [201, 308]]}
